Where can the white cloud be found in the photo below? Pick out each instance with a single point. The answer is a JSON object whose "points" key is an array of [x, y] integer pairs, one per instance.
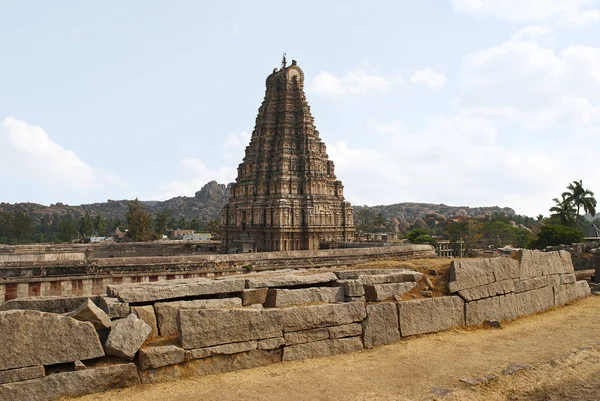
{"points": [[28, 153], [431, 78], [557, 12], [234, 145], [357, 82]]}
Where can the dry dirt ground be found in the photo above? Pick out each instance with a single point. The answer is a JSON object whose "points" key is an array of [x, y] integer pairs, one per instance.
{"points": [[561, 349]]}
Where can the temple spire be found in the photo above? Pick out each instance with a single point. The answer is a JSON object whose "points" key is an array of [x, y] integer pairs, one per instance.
{"points": [[283, 61]]}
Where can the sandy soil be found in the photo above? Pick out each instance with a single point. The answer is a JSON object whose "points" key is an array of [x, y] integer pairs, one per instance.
{"points": [[561, 347]]}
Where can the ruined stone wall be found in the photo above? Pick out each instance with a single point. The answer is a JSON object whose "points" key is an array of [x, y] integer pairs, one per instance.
{"points": [[164, 331]]}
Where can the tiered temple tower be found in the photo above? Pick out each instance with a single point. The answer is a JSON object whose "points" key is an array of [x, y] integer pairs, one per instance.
{"points": [[286, 196]]}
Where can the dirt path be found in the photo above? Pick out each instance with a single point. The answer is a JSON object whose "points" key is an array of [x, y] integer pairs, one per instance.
{"points": [[411, 369]]}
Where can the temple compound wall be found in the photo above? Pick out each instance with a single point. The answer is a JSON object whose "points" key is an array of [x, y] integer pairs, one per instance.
{"points": [[161, 331]]}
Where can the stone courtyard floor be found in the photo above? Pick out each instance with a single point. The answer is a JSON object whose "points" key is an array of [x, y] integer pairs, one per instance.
{"points": [[552, 356]]}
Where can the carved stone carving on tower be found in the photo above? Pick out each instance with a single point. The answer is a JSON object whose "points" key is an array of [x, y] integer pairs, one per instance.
{"points": [[286, 196]]}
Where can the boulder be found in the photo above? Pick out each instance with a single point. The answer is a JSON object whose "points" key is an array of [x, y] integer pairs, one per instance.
{"points": [[146, 313], [289, 280], [381, 325], [345, 330], [72, 384], [156, 357], [488, 290], [89, 312], [173, 289], [166, 312], [30, 338], [502, 307], [225, 349], [533, 283], [306, 336], [20, 374], [200, 328], [403, 276], [254, 296], [311, 317], [429, 315], [322, 348], [57, 305], [279, 298], [114, 308], [126, 337], [379, 292]]}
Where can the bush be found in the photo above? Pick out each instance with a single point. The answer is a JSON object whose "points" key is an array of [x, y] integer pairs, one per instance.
{"points": [[551, 235]]}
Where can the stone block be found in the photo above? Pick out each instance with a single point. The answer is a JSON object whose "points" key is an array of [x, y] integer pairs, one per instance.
{"points": [[306, 336], [381, 325], [21, 374], [290, 280], [166, 312], [534, 301], [156, 357], [280, 298], [565, 293], [254, 296], [430, 315], [554, 279], [89, 312], [536, 263], [57, 305], [362, 299], [529, 284], [114, 308], [30, 337], [200, 328], [502, 307], [212, 365], [352, 288], [404, 276], [271, 343], [466, 274], [225, 349], [173, 289], [146, 313], [311, 317], [380, 292], [354, 274], [345, 330], [72, 384], [126, 337], [488, 290], [322, 348], [568, 278]]}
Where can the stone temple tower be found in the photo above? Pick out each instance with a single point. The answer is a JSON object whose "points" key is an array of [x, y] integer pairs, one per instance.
{"points": [[286, 196]]}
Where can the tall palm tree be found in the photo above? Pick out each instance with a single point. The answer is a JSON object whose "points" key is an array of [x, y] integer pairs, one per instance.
{"points": [[563, 209], [580, 197]]}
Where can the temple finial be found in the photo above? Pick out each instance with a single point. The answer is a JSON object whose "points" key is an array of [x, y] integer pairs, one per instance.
{"points": [[283, 61]]}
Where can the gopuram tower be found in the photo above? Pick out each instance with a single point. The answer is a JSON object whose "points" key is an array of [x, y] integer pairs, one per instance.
{"points": [[286, 196]]}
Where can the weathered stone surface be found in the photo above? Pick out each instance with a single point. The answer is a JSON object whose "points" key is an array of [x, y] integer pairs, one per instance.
{"points": [[72, 384], [565, 293], [536, 263], [488, 290], [322, 348], [212, 365], [113, 307], [166, 312], [80, 365], [271, 343], [173, 289], [568, 278], [345, 330], [200, 328], [352, 288], [30, 338], [528, 284], [502, 307], [534, 301], [20, 374], [354, 274], [465, 274], [279, 298], [89, 312], [379, 292], [156, 357], [381, 325], [312, 317], [254, 296], [306, 336], [45, 304], [146, 313], [290, 280], [554, 279], [225, 349], [126, 337], [402, 276], [430, 315]]}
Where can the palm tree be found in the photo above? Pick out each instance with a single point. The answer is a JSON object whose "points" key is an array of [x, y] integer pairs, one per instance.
{"points": [[564, 210], [580, 197]]}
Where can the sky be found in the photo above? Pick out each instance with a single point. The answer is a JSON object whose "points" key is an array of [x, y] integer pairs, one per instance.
{"points": [[461, 102]]}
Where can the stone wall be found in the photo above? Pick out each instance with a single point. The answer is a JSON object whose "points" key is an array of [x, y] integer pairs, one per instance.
{"points": [[159, 331]]}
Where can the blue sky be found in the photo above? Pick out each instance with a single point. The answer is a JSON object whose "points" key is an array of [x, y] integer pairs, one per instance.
{"points": [[462, 102]]}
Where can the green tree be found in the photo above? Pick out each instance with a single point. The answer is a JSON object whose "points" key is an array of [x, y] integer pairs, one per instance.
{"points": [[86, 225], [464, 233], [213, 226], [563, 210], [195, 224], [551, 235], [100, 224], [67, 229], [419, 236], [161, 222], [21, 227], [369, 220], [139, 222], [580, 197]]}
